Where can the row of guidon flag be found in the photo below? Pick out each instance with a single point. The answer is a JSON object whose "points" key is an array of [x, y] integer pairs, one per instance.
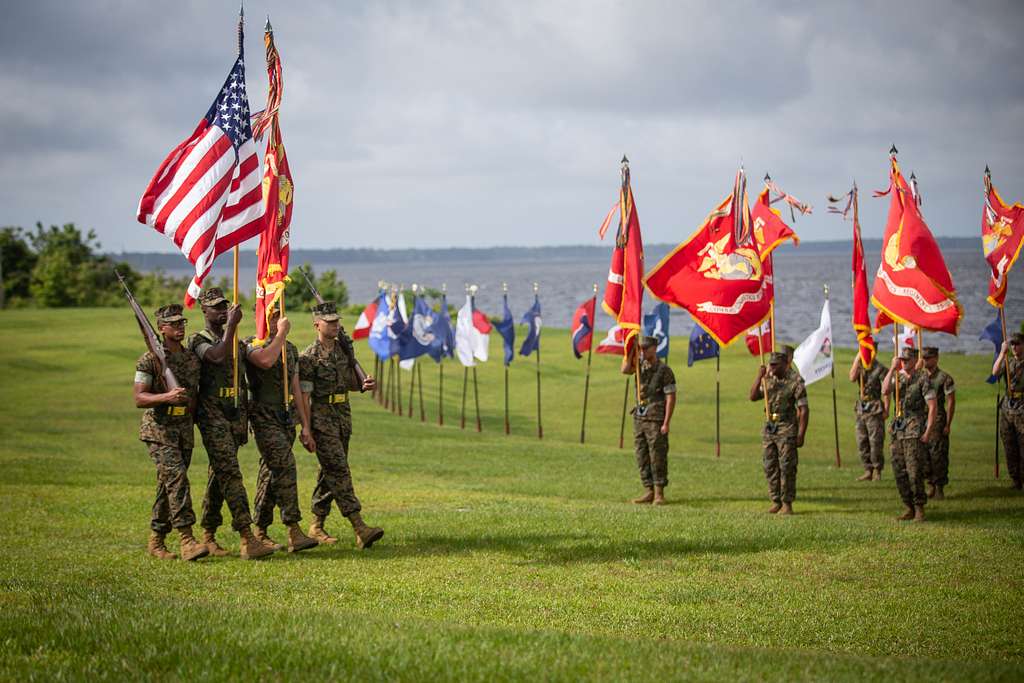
{"points": [[212, 192]]}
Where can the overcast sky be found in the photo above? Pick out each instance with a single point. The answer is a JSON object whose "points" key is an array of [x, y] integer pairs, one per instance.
{"points": [[433, 124]]}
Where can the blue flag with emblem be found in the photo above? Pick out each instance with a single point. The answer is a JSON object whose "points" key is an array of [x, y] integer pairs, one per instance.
{"points": [[507, 329], [702, 346], [382, 338], [416, 337], [993, 332], [443, 343], [532, 318], [656, 325]]}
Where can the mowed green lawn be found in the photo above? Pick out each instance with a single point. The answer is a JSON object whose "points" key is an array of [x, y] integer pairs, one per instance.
{"points": [[504, 557]]}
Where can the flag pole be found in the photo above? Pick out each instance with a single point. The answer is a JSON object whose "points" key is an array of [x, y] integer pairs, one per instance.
{"points": [[440, 365], [835, 410], [419, 372], [540, 427], [1006, 377], [396, 404], [764, 384], [465, 382], [398, 367], [412, 387], [234, 339], [896, 342], [718, 403], [476, 400], [504, 289], [622, 424], [586, 381]]}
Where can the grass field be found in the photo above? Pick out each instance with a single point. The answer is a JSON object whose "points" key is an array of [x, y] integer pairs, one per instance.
{"points": [[505, 557]]}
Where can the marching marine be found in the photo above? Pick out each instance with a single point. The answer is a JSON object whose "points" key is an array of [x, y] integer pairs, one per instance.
{"points": [[651, 418], [326, 373], [166, 429], [1011, 413], [936, 469], [911, 429], [273, 424], [870, 424], [222, 420], [783, 432]]}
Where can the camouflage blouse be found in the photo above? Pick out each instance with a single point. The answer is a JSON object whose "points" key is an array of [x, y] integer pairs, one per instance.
{"points": [[871, 404], [785, 395], [915, 392], [169, 424], [656, 382]]}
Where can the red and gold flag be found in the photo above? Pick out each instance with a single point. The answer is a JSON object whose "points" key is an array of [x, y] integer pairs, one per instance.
{"points": [[1002, 234], [272, 255], [623, 294], [913, 285], [723, 273]]}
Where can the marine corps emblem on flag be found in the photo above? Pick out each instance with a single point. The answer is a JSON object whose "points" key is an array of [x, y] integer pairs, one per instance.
{"points": [[743, 263]]}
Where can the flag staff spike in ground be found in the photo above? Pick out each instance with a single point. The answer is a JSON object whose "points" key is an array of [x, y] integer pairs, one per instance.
{"points": [[586, 381], [440, 365], [718, 400], [540, 427], [473, 289], [412, 379], [465, 382], [508, 429], [835, 410], [394, 359]]}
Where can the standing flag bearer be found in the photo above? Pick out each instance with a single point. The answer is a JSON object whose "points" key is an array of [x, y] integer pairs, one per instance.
{"points": [[507, 329], [205, 196], [936, 470], [532, 345], [1011, 419], [865, 370], [656, 383], [583, 340]]}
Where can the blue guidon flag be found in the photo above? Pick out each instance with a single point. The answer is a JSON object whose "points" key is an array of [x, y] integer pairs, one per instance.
{"points": [[507, 329], [702, 346], [532, 318], [656, 325]]}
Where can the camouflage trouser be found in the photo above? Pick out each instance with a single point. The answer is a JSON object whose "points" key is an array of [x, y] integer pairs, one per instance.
{"points": [[871, 441], [277, 481], [780, 461], [224, 479], [651, 452], [333, 478], [173, 506], [936, 468], [1011, 431], [909, 456]]}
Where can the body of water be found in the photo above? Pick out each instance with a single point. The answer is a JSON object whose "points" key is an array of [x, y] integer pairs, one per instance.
{"points": [[564, 283]]}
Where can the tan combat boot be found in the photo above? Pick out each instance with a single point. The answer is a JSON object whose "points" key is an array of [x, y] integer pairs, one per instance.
{"points": [[877, 476], [366, 536], [787, 509], [317, 531], [918, 513], [931, 490], [191, 549], [252, 548], [907, 514], [646, 498], [297, 540], [262, 536], [939, 494], [774, 508], [659, 495], [867, 476], [210, 541], [156, 547]]}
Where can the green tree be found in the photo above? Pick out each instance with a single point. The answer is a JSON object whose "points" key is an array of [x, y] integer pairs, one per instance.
{"points": [[67, 271], [297, 294], [17, 261]]}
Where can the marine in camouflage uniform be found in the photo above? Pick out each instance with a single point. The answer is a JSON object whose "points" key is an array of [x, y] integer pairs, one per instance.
{"points": [[326, 373], [651, 419], [784, 431], [936, 471], [1011, 411], [166, 429], [273, 426], [223, 423], [870, 420], [910, 429]]}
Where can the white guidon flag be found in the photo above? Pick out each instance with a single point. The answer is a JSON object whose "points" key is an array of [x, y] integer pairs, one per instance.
{"points": [[472, 334], [813, 358]]}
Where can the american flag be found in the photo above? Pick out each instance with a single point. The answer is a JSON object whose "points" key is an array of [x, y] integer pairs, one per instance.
{"points": [[206, 196]]}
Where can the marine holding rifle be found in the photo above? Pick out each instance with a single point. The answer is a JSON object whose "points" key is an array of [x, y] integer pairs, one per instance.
{"points": [[911, 429], [784, 430], [327, 371], [166, 383]]}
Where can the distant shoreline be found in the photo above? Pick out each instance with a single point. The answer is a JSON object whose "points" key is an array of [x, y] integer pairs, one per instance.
{"points": [[571, 253]]}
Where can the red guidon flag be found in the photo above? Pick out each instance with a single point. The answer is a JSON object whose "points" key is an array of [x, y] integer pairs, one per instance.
{"points": [[272, 255], [623, 294], [722, 274], [759, 339], [913, 285], [1002, 233]]}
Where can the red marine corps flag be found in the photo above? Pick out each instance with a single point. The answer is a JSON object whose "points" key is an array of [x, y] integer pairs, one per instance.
{"points": [[623, 295], [722, 274], [1002, 234], [913, 285], [272, 255], [861, 315]]}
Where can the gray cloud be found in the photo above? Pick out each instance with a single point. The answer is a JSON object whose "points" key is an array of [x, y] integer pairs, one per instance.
{"points": [[472, 124]]}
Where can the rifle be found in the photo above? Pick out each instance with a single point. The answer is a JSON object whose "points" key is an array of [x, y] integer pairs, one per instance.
{"points": [[149, 336], [343, 339]]}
